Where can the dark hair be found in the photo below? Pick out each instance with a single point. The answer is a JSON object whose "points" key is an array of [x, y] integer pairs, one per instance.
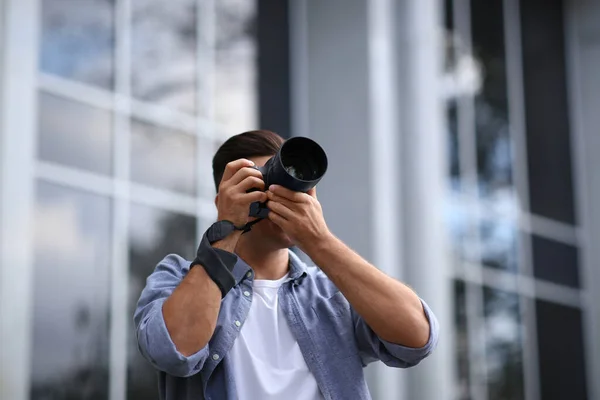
{"points": [[257, 143]]}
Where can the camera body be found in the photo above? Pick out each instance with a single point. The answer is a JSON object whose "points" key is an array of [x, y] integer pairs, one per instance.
{"points": [[299, 165]]}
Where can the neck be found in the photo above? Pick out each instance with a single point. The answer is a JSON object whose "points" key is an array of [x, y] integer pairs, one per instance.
{"points": [[268, 264]]}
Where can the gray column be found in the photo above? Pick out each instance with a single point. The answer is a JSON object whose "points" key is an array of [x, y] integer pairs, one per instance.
{"points": [[17, 154], [343, 97], [383, 194], [426, 259], [583, 44]]}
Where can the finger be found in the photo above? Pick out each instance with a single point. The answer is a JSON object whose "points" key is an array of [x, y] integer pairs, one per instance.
{"points": [[250, 182], [243, 173], [280, 209], [296, 197], [289, 204], [252, 197], [277, 219], [312, 192], [233, 166]]}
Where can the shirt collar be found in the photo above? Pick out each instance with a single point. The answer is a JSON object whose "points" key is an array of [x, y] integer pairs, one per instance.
{"points": [[297, 268]]}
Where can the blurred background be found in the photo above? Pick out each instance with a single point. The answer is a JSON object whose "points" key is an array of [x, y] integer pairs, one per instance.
{"points": [[463, 138]]}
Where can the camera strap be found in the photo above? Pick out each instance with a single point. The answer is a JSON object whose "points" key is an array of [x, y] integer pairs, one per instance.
{"points": [[249, 225]]}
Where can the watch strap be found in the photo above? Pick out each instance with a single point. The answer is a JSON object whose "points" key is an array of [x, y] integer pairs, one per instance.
{"points": [[221, 229], [217, 263]]}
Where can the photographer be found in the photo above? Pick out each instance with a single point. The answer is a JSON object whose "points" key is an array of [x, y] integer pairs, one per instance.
{"points": [[248, 320]]}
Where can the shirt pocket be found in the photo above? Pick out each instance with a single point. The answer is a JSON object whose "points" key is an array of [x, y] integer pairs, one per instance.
{"points": [[335, 331]]}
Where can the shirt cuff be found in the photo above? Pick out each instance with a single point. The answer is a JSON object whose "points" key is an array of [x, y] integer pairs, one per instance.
{"points": [[413, 355], [162, 351]]}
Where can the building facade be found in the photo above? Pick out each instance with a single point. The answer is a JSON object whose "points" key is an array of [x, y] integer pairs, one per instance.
{"points": [[462, 137]]}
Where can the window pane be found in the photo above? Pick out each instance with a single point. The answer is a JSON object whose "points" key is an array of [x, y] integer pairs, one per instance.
{"points": [[547, 110], [164, 65], [561, 352], [236, 70], [77, 40], [162, 157], [153, 234], [74, 134], [72, 289], [499, 244], [494, 159], [453, 146], [503, 345], [555, 262], [462, 341]]}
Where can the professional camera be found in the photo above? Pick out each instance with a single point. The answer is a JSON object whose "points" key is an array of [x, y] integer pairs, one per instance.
{"points": [[299, 165]]}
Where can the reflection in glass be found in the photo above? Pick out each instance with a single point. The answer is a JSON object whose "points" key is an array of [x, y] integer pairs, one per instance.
{"points": [[555, 262], [236, 70], [72, 289], [561, 352], [153, 234], [503, 345], [74, 134], [163, 158], [453, 145], [547, 92], [164, 65], [494, 158], [462, 341], [77, 40], [499, 244]]}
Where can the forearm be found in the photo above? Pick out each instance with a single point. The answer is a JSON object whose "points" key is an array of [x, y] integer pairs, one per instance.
{"points": [[191, 312], [390, 308]]}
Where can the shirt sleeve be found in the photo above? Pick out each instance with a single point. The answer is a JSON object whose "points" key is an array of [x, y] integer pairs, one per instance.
{"points": [[372, 348], [153, 339]]}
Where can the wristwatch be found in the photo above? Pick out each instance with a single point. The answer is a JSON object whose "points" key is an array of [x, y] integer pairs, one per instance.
{"points": [[220, 230], [218, 263]]}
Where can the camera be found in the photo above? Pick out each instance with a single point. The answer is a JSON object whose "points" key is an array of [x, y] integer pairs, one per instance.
{"points": [[299, 165]]}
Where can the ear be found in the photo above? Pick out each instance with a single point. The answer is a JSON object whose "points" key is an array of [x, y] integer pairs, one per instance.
{"points": [[216, 199]]}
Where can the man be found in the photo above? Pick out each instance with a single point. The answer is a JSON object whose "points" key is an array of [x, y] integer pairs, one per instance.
{"points": [[248, 320]]}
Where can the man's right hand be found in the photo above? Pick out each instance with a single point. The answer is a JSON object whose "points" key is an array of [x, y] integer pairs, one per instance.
{"points": [[233, 201]]}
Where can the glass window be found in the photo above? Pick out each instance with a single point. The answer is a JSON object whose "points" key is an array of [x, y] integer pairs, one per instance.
{"points": [[561, 352], [499, 244], [494, 158], [164, 53], [555, 262], [162, 157], [74, 134], [503, 345], [547, 110], [77, 40], [153, 234], [462, 341], [72, 289], [236, 66], [453, 146]]}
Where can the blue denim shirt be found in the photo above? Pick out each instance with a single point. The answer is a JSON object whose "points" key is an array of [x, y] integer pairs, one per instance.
{"points": [[335, 341]]}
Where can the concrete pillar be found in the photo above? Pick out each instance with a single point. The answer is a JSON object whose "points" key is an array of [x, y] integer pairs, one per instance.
{"points": [[17, 155], [365, 85], [342, 69], [424, 181]]}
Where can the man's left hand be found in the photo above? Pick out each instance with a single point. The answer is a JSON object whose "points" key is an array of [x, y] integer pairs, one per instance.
{"points": [[298, 214]]}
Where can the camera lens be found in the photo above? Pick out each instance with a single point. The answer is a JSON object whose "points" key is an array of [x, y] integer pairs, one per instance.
{"points": [[303, 159]]}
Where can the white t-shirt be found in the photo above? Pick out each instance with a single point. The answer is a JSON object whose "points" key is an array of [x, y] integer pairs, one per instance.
{"points": [[266, 359]]}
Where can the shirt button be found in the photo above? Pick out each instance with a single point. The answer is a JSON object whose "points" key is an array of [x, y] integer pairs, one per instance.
{"points": [[246, 293], [238, 323], [215, 357], [249, 274]]}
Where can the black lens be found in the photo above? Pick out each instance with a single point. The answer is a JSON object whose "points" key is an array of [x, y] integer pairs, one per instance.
{"points": [[303, 159]]}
